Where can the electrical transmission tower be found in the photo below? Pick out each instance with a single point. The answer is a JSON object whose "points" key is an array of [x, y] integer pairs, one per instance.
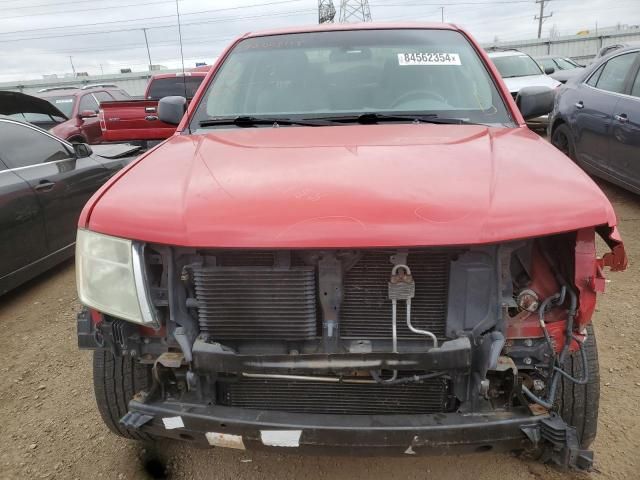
{"points": [[326, 11], [542, 17], [354, 11]]}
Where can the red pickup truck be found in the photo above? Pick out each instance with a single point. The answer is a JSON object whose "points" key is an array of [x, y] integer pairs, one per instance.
{"points": [[133, 120], [351, 243]]}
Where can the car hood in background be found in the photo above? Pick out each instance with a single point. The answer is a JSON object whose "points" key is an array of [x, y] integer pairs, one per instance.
{"points": [[564, 75], [514, 84], [349, 186], [12, 103]]}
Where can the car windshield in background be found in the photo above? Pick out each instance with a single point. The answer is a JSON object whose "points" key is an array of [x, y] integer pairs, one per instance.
{"points": [[340, 75], [516, 66], [175, 86], [64, 104], [566, 64]]}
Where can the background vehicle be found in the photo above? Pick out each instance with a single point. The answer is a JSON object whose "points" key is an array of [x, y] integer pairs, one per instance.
{"points": [[519, 70], [336, 250], [596, 118], [34, 110], [607, 49], [44, 183], [136, 120], [81, 105], [563, 68]]}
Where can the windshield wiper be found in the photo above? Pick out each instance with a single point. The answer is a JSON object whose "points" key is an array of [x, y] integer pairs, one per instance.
{"points": [[249, 121], [372, 118]]}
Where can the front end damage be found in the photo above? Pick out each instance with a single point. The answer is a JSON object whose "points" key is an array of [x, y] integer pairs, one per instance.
{"points": [[410, 350]]}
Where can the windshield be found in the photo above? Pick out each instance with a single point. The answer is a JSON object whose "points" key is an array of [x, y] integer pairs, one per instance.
{"points": [[64, 104], [547, 63], [328, 74], [516, 66], [174, 86]]}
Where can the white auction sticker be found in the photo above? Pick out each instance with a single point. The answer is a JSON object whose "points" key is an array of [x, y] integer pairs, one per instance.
{"points": [[429, 58], [173, 422]]}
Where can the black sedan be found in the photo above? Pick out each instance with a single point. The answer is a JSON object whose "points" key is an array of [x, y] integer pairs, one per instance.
{"points": [[596, 118], [44, 183]]}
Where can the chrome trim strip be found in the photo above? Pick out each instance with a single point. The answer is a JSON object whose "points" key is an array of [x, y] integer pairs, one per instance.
{"points": [[37, 165], [144, 301]]}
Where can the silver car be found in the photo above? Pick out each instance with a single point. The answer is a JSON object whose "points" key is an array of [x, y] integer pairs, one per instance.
{"points": [[519, 70]]}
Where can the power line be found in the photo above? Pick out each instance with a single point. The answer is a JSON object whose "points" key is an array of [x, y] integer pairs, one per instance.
{"points": [[133, 28], [80, 34], [216, 10], [60, 12]]}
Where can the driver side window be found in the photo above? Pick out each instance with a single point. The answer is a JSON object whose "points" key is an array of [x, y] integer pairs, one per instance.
{"points": [[614, 73], [15, 138], [88, 103]]}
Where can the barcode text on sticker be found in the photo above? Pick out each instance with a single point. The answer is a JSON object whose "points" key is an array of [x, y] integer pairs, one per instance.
{"points": [[428, 58]]}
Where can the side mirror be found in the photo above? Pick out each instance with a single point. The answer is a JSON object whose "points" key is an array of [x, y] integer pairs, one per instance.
{"points": [[549, 70], [82, 150], [171, 109], [88, 114], [535, 101]]}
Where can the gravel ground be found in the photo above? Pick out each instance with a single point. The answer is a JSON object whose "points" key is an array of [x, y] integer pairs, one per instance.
{"points": [[50, 428]]}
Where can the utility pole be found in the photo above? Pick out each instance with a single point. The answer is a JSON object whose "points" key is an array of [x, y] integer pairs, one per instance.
{"points": [[73, 69], [541, 18], [146, 41], [442, 14]]}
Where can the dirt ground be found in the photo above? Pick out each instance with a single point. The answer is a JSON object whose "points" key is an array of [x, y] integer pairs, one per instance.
{"points": [[50, 428]]}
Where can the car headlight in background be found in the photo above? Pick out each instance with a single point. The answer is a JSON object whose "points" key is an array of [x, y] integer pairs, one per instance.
{"points": [[110, 277]]}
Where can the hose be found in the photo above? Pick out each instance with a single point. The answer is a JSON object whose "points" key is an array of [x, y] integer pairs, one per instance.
{"points": [[411, 379], [556, 371], [417, 330]]}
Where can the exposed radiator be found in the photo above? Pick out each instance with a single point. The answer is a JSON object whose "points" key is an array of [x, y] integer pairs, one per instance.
{"points": [[366, 310], [335, 398], [256, 302]]}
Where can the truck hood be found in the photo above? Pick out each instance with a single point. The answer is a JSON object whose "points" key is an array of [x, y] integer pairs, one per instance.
{"points": [[348, 186], [514, 84]]}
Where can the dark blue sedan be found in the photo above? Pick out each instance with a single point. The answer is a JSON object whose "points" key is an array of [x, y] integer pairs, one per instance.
{"points": [[596, 118]]}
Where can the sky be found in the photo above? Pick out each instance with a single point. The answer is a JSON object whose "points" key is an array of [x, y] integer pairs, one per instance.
{"points": [[37, 37]]}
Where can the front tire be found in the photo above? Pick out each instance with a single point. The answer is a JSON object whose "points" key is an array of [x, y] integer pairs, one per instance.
{"points": [[578, 404], [562, 139], [115, 381]]}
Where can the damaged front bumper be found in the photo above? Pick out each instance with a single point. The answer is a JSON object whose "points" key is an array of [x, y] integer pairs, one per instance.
{"points": [[443, 433]]}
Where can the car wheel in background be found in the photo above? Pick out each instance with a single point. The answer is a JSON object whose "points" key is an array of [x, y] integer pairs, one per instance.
{"points": [[562, 139]]}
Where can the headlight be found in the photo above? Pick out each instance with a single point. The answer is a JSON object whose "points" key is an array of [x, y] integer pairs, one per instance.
{"points": [[110, 277]]}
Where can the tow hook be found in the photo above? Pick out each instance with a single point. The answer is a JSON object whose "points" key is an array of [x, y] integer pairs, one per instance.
{"points": [[561, 446]]}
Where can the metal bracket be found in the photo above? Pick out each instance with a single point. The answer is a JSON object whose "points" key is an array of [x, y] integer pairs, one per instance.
{"points": [[135, 420], [330, 291], [562, 444]]}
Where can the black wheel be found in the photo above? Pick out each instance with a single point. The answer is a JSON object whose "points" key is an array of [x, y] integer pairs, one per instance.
{"points": [[115, 381], [562, 139], [578, 404]]}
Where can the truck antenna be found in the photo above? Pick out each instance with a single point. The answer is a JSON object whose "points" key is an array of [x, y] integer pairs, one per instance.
{"points": [[184, 78]]}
